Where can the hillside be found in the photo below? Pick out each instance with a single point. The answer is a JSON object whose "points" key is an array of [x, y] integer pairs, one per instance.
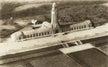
{"points": [[67, 12]]}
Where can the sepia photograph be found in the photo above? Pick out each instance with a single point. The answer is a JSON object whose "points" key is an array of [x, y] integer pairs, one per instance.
{"points": [[53, 33]]}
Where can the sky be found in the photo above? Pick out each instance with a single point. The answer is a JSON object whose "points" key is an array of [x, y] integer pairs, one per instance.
{"points": [[44, 0]]}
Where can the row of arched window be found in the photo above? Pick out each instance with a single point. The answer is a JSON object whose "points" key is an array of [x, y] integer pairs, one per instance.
{"points": [[78, 27], [35, 35], [81, 27]]}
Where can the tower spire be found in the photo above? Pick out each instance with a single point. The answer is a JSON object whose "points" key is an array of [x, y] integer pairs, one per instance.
{"points": [[54, 18]]}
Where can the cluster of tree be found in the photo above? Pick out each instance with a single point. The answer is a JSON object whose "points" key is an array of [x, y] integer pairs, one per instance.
{"points": [[67, 12]]}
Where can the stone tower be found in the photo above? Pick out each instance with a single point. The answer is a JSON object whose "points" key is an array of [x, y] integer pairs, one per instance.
{"points": [[54, 19]]}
